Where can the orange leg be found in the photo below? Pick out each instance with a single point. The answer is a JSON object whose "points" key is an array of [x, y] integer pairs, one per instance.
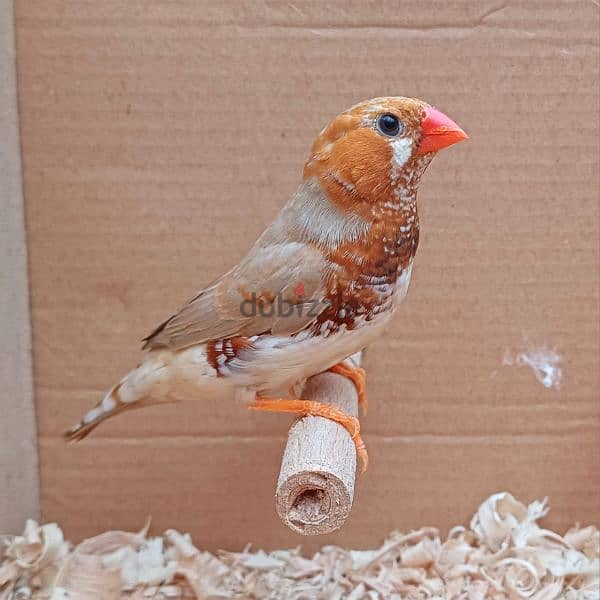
{"points": [[317, 409], [358, 377]]}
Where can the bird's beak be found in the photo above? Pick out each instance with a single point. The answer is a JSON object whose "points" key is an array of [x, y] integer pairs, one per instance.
{"points": [[438, 131]]}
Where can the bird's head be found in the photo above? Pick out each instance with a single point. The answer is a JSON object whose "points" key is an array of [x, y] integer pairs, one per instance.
{"points": [[376, 152]]}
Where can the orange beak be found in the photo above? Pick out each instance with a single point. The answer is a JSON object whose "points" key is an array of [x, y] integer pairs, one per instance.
{"points": [[438, 131]]}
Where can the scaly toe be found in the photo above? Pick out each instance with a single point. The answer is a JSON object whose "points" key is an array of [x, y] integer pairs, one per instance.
{"points": [[317, 409], [358, 376]]}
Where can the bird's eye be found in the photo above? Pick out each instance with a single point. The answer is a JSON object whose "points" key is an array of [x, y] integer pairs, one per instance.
{"points": [[389, 125]]}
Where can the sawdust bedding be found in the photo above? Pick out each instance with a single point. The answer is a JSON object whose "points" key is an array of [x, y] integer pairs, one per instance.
{"points": [[504, 554]]}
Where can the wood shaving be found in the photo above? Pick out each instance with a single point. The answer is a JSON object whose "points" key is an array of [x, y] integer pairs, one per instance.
{"points": [[504, 554]]}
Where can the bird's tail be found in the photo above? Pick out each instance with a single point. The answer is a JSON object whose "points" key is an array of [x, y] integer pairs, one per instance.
{"points": [[145, 385]]}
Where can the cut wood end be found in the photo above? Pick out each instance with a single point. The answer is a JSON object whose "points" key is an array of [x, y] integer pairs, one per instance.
{"points": [[313, 503]]}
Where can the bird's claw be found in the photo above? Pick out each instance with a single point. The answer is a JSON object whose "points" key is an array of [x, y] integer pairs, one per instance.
{"points": [[358, 376], [317, 409]]}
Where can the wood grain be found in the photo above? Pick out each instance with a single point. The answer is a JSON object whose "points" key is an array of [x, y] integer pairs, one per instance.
{"points": [[315, 488]]}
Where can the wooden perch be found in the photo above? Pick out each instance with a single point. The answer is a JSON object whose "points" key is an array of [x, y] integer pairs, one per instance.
{"points": [[315, 489]]}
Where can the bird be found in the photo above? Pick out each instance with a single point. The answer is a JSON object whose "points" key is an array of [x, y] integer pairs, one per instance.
{"points": [[320, 284]]}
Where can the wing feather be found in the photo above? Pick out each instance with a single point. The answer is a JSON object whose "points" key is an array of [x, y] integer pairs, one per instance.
{"points": [[271, 274]]}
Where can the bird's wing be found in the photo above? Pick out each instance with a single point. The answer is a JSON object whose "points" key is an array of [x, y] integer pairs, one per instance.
{"points": [[276, 288]]}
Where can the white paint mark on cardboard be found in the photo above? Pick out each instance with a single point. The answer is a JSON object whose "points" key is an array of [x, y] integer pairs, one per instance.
{"points": [[543, 362]]}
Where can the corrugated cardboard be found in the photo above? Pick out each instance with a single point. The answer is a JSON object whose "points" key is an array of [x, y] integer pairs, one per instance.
{"points": [[19, 497], [158, 141]]}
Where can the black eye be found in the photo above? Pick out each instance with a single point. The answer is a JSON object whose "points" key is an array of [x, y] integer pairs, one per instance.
{"points": [[389, 124]]}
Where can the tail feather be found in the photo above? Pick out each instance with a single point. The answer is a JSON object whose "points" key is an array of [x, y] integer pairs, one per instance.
{"points": [[97, 415], [83, 428], [145, 386]]}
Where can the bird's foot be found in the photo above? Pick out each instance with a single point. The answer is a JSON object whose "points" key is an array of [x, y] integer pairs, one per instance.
{"points": [[358, 377], [317, 409]]}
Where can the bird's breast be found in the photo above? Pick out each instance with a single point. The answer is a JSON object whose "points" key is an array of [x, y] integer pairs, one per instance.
{"points": [[368, 278]]}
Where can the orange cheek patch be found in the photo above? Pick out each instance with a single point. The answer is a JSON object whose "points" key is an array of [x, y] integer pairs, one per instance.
{"points": [[363, 159], [353, 168]]}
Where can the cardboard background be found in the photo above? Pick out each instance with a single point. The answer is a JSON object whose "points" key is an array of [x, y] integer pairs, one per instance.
{"points": [[19, 497], [160, 138]]}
